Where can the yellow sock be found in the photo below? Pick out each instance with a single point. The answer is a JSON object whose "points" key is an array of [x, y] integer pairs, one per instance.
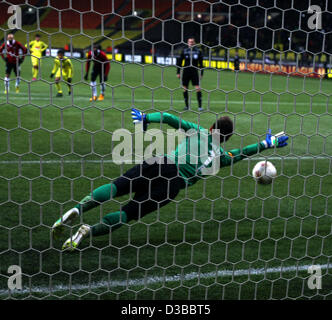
{"points": [[58, 87], [34, 72]]}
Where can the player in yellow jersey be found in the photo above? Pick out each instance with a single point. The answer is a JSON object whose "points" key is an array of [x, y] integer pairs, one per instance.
{"points": [[63, 70], [37, 47]]}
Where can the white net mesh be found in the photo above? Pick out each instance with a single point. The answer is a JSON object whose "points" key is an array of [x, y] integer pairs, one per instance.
{"points": [[226, 237]]}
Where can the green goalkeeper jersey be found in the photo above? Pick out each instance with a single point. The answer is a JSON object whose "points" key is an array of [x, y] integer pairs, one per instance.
{"points": [[197, 151]]}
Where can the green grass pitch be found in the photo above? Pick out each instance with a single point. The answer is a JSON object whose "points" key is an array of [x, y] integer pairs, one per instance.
{"points": [[54, 151]]}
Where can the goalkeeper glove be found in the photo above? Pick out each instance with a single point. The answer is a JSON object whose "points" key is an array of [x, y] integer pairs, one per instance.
{"points": [[52, 75], [139, 117], [69, 80], [278, 140]]}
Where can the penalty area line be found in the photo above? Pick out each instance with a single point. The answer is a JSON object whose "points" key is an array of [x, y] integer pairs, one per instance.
{"points": [[159, 280], [54, 100], [69, 161]]}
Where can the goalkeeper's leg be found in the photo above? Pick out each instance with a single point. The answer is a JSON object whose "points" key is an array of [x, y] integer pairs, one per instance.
{"points": [[150, 195], [121, 186], [111, 221], [147, 200], [98, 196]]}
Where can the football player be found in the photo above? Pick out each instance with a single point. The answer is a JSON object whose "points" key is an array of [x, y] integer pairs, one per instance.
{"points": [[37, 47], [13, 53], [63, 70], [157, 181], [101, 68]]}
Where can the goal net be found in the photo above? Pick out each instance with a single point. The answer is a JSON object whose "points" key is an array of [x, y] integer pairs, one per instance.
{"points": [[267, 65]]}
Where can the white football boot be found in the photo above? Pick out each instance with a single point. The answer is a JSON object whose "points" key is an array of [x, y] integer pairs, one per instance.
{"points": [[72, 243], [67, 218]]}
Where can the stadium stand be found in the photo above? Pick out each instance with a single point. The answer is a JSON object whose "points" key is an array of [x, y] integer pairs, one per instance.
{"points": [[70, 17], [230, 27]]}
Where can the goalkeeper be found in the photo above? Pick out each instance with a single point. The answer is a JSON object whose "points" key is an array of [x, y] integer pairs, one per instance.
{"points": [[63, 68], [155, 185]]}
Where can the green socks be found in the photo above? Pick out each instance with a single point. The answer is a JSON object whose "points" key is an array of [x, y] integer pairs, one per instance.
{"points": [[111, 221], [99, 195]]}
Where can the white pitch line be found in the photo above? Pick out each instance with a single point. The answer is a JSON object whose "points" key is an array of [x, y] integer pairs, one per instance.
{"points": [[111, 161], [54, 100], [159, 279]]}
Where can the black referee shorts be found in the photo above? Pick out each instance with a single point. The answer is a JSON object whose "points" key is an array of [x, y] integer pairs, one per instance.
{"points": [[154, 185], [98, 72], [12, 67], [188, 76]]}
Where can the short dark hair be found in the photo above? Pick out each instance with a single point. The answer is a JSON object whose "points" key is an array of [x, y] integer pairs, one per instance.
{"points": [[61, 51], [225, 126], [37, 35]]}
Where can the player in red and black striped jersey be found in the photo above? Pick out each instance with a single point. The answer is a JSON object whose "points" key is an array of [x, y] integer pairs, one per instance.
{"points": [[13, 53], [101, 68]]}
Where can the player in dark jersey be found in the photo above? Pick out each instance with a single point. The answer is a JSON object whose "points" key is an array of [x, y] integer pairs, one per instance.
{"points": [[101, 68], [192, 71], [13, 53], [157, 181]]}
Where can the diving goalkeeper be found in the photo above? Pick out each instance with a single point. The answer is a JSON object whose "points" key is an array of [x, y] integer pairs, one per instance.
{"points": [[155, 185]]}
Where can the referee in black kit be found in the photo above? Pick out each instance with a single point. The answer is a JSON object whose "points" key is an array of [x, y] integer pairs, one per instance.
{"points": [[192, 71]]}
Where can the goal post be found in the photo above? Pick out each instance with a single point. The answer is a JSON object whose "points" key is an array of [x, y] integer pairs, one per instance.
{"points": [[267, 65]]}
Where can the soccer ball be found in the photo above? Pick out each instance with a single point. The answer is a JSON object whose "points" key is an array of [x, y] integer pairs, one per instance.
{"points": [[264, 172]]}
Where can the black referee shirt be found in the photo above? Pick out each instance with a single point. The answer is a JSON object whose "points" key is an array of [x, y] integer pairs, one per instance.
{"points": [[193, 60]]}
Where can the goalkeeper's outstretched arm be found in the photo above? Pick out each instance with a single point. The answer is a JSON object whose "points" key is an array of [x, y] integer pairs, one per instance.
{"points": [[162, 117], [228, 157], [271, 141]]}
